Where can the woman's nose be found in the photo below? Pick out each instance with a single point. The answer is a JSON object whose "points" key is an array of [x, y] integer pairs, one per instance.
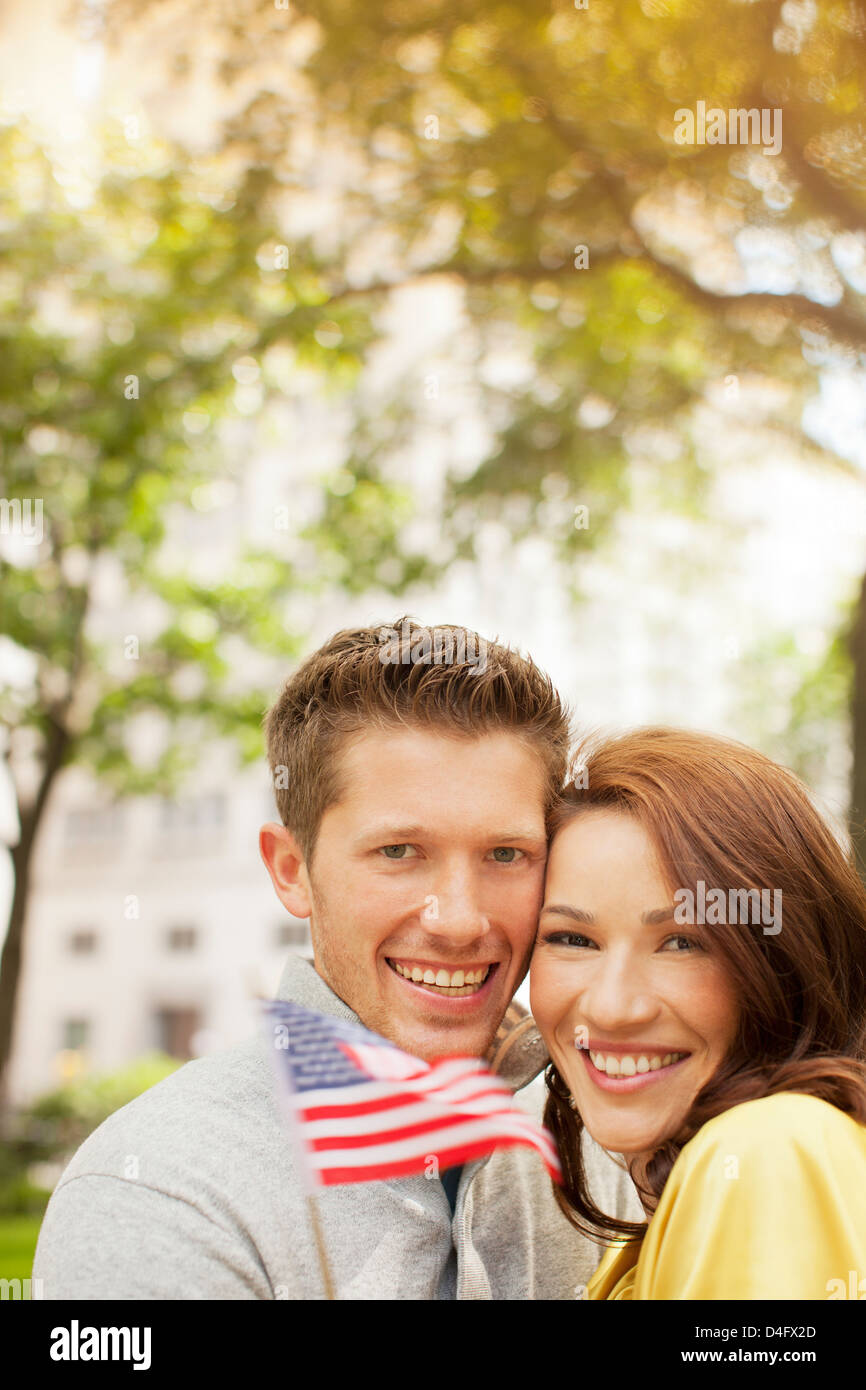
{"points": [[617, 996]]}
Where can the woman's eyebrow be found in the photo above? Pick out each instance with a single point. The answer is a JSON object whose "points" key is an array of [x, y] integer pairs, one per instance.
{"points": [[577, 914], [657, 916], [574, 914]]}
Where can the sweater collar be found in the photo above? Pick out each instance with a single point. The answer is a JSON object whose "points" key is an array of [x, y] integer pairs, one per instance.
{"points": [[517, 1054]]}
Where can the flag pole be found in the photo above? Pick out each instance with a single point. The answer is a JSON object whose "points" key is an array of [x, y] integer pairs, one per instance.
{"points": [[324, 1267], [287, 1094]]}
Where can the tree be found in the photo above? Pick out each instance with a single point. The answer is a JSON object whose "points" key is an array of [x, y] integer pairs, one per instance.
{"points": [[531, 152], [527, 153], [147, 304]]}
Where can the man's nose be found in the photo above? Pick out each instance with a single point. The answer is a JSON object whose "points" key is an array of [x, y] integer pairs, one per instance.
{"points": [[455, 911]]}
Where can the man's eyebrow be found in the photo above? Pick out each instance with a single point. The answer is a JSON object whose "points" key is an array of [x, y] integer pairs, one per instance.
{"points": [[508, 837], [388, 833], [574, 914]]}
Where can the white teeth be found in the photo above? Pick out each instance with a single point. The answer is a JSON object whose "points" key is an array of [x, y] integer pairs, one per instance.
{"points": [[632, 1066], [464, 981]]}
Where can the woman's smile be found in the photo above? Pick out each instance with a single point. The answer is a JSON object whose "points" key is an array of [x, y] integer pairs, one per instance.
{"points": [[622, 1072]]}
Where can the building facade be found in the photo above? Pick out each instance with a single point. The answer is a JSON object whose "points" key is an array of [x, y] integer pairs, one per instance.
{"points": [[153, 926]]}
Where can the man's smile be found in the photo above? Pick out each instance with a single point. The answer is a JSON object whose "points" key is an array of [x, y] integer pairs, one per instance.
{"points": [[444, 981]]}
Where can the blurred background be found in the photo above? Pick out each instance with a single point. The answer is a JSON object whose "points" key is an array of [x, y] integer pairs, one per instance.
{"points": [[318, 314]]}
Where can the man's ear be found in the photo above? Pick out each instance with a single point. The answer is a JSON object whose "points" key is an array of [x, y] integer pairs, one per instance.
{"points": [[284, 862]]}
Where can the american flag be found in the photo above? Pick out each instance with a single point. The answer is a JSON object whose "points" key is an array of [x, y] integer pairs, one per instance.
{"points": [[364, 1110]]}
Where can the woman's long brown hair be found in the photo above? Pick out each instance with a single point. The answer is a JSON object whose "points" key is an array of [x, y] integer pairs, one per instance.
{"points": [[723, 813]]}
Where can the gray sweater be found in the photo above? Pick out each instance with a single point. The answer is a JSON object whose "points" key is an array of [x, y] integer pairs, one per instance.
{"points": [[191, 1192]]}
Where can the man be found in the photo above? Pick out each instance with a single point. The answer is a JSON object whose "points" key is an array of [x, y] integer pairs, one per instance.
{"points": [[413, 773]]}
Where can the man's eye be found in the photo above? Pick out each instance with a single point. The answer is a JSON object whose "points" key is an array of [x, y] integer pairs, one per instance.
{"points": [[397, 851], [506, 854]]}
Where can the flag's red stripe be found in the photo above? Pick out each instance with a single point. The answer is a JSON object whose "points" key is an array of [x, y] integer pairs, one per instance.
{"points": [[409, 1167], [370, 1107], [394, 1136], [365, 1107]]}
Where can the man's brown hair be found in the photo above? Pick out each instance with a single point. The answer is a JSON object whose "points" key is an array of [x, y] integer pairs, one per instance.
{"points": [[445, 678]]}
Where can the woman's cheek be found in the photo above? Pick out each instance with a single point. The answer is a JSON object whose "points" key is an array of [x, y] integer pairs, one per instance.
{"points": [[552, 999], [708, 1003]]}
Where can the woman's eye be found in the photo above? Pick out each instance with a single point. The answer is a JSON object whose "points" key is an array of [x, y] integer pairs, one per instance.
{"points": [[567, 938], [506, 854], [683, 944], [397, 851]]}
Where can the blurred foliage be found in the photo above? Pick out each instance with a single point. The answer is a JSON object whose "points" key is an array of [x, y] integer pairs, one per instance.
{"points": [[137, 317], [84, 1103], [796, 701], [149, 313], [655, 292], [499, 147], [482, 143], [18, 1236], [488, 142], [51, 1128]]}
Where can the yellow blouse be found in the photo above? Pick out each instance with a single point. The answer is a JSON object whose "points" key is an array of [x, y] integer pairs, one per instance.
{"points": [[767, 1201]]}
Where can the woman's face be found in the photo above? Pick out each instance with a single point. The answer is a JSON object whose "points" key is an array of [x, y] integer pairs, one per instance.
{"points": [[636, 1014]]}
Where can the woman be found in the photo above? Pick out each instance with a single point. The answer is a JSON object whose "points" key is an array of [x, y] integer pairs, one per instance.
{"points": [[700, 981]]}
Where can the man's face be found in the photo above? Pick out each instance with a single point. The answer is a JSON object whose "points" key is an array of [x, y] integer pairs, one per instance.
{"points": [[426, 882]]}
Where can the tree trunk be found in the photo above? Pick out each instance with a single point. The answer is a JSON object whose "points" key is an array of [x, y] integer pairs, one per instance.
{"points": [[22, 859], [857, 814]]}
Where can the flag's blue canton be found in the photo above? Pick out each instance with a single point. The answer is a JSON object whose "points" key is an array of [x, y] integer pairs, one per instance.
{"points": [[309, 1042]]}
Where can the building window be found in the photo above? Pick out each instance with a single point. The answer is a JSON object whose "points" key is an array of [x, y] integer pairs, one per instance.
{"points": [[90, 824], [175, 1030], [181, 938], [82, 942], [292, 934], [76, 1032], [194, 813]]}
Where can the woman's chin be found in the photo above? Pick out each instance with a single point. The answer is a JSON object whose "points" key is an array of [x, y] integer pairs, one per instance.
{"points": [[619, 1139], [622, 1134]]}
